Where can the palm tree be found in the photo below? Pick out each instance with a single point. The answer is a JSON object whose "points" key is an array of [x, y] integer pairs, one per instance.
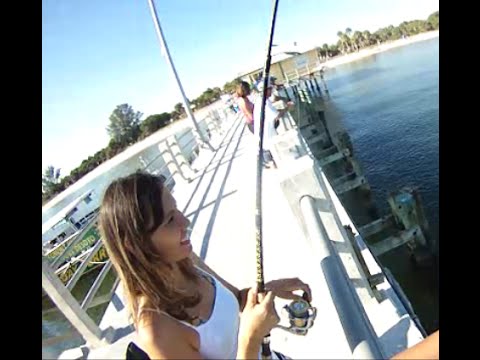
{"points": [[367, 37], [348, 39], [390, 31], [333, 50], [374, 39], [433, 19], [382, 35], [341, 44], [403, 28], [326, 49], [357, 40], [345, 42], [320, 52], [50, 178]]}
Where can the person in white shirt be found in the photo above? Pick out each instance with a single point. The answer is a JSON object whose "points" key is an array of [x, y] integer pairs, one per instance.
{"points": [[272, 118]]}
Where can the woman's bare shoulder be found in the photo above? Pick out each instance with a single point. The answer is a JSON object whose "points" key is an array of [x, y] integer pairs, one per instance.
{"points": [[163, 337]]}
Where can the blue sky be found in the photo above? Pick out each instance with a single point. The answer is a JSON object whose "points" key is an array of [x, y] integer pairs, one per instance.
{"points": [[99, 54]]}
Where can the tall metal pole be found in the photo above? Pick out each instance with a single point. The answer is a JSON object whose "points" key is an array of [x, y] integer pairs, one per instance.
{"points": [[165, 52]]}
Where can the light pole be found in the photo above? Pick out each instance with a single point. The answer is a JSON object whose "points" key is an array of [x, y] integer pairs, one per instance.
{"points": [[165, 51]]}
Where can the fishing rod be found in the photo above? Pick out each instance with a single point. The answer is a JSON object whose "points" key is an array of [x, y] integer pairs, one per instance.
{"points": [[266, 352], [301, 314]]}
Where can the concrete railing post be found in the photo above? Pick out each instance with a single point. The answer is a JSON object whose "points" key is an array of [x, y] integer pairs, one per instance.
{"points": [[180, 159], [70, 307]]}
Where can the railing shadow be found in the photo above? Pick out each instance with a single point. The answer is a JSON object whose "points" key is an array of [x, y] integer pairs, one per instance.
{"points": [[224, 144], [211, 222], [207, 190]]}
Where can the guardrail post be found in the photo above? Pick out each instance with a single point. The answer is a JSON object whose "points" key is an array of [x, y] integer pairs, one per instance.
{"points": [[180, 159], [175, 162], [69, 306]]}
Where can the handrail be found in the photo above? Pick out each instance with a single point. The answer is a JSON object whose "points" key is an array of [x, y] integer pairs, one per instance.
{"points": [[96, 285], [358, 330], [161, 168], [155, 158], [184, 134], [56, 263], [79, 272]]}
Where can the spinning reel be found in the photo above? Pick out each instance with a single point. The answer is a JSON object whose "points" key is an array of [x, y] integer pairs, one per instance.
{"points": [[300, 315]]}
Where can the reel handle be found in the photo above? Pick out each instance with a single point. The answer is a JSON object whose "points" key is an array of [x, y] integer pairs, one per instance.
{"points": [[312, 310]]}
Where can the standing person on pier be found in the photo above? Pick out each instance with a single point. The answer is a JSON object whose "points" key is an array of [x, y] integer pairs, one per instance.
{"points": [[276, 94], [272, 121], [245, 103]]}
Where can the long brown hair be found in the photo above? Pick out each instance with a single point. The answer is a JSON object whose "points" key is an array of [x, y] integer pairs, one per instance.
{"points": [[131, 210], [243, 89]]}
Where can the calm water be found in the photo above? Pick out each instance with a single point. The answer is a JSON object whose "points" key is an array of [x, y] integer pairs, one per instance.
{"points": [[389, 105]]}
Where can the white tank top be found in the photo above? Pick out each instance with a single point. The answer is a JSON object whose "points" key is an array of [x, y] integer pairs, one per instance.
{"points": [[219, 334]]}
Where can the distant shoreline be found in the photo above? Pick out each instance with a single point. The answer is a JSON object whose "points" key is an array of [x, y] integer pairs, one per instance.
{"points": [[348, 58]]}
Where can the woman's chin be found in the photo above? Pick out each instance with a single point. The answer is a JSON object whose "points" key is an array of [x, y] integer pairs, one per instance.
{"points": [[185, 251], [188, 248]]}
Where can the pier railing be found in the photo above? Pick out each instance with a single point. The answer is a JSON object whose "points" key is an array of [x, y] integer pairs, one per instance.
{"points": [[325, 144], [358, 330], [311, 149]]}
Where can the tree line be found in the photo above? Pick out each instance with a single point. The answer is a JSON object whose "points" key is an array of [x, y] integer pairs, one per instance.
{"points": [[351, 41], [125, 128]]}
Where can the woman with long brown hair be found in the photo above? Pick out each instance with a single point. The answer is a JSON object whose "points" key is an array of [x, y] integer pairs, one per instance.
{"points": [[245, 104], [180, 307]]}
